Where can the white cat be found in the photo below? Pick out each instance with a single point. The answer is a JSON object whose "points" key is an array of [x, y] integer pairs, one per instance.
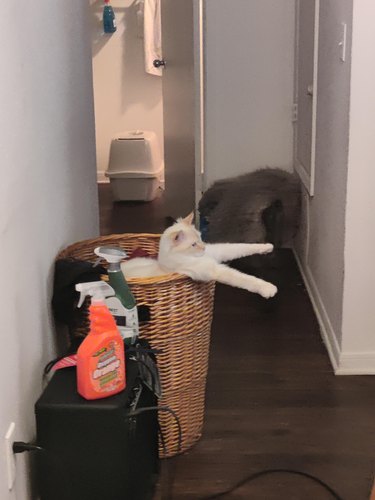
{"points": [[182, 251]]}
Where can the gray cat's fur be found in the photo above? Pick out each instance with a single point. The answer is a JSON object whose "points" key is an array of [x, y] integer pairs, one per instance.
{"points": [[235, 208]]}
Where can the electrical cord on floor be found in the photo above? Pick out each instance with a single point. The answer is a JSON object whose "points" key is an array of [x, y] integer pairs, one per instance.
{"points": [[266, 472]]}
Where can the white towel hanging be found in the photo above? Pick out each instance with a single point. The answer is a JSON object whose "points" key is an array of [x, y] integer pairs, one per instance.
{"points": [[152, 35]]}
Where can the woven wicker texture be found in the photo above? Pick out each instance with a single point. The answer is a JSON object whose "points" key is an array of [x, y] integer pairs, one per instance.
{"points": [[180, 326]]}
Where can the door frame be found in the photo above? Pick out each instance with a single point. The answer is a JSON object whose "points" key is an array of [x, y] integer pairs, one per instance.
{"points": [[307, 178], [199, 78]]}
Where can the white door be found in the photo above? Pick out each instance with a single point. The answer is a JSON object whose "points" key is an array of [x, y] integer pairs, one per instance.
{"points": [[179, 104], [306, 89]]}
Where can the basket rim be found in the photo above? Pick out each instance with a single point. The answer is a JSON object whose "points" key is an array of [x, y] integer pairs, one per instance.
{"points": [[165, 278]]}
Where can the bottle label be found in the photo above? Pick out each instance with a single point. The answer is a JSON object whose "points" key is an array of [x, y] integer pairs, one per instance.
{"points": [[126, 319], [107, 367]]}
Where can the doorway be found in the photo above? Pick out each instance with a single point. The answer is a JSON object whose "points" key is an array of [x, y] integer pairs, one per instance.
{"points": [[127, 98]]}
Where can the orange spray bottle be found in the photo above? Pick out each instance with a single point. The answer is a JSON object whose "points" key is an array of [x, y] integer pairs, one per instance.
{"points": [[100, 357]]}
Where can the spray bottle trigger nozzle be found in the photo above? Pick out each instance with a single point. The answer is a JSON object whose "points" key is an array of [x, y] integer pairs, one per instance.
{"points": [[98, 290], [97, 262], [81, 300]]}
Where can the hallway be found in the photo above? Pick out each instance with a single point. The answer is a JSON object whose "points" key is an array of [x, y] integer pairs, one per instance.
{"points": [[272, 398]]}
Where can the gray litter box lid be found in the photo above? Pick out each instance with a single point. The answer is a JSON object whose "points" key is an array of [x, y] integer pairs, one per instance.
{"points": [[135, 152]]}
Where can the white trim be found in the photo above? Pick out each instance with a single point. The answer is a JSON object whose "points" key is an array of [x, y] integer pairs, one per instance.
{"points": [[101, 178], [199, 99], [356, 363], [304, 176], [307, 229], [326, 328], [315, 98], [295, 90], [308, 179], [343, 363]]}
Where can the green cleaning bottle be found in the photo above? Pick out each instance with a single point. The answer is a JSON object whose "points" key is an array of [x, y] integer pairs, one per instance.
{"points": [[122, 305]]}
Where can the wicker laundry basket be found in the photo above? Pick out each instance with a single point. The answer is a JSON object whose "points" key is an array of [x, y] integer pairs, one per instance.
{"points": [[181, 314]]}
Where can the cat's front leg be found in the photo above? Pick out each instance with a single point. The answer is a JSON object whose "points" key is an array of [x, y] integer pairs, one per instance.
{"points": [[229, 276], [263, 248], [267, 290], [223, 252]]}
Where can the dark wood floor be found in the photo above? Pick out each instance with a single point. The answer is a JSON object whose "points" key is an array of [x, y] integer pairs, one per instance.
{"points": [[272, 398]]}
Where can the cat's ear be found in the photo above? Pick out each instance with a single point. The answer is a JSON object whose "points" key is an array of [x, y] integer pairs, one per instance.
{"points": [[177, 237], [189, 219]]}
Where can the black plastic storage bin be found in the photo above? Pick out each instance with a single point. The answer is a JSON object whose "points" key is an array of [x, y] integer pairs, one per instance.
{"points": [[92, 450]]}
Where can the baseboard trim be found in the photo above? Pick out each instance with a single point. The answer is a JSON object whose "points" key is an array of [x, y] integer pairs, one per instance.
{"points": [[356, 363], [343, 363], [101, 178], [326, 329]]}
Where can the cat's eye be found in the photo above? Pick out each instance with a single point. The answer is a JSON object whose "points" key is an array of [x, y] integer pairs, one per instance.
{"points": [[194, 245]]}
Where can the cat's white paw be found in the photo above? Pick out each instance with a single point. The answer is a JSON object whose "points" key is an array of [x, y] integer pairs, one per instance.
{"points": [[267, 290], [267, 248]]}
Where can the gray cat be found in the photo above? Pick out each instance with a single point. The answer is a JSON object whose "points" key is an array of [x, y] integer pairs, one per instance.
{"points": [[263, 206]]}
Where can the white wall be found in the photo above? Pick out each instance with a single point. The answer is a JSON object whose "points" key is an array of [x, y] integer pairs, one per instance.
{"points": [[321, 243], [48, 195], [335, 246], [358, 340], [249, 60], [126, 97]]}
